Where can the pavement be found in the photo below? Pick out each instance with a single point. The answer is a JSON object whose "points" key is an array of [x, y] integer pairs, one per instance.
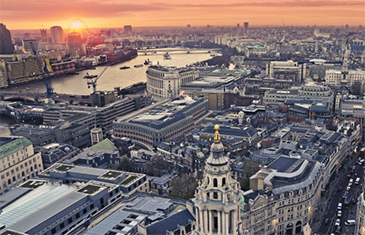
{"points": [[329, 202]]}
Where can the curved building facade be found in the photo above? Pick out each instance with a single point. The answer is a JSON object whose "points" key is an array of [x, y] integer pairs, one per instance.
{"points": [[165, 82]]}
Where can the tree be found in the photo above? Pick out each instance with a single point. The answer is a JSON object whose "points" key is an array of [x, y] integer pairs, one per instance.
{"points": [[183, 186], [126, 164]]}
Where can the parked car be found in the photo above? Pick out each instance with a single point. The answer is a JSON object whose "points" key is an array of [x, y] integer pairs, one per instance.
{"points": [[326, 221], [339, 214], [337, 222]]}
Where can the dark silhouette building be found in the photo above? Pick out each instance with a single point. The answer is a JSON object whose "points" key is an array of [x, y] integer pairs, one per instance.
{"points": [[128, 28], [6, 45], [245, 27]]}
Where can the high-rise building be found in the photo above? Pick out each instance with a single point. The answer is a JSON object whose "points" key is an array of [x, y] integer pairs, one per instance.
{"points": [[127, 28], [75, 44], [6, 46], [189, 26], [57, 34], [26, 44], [238, 25], [44, 34], [245, 27]]}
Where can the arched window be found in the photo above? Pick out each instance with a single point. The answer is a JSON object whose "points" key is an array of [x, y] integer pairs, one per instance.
{"points": [[224, 182], [215, 182], [215, 195], [9, 182]]}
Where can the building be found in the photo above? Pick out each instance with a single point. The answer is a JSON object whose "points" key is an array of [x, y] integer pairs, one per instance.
{"points": [[96, 135], [18, 162], [101, 155], [337, 78], [283, 197], [57, 35], [245, 27], [218, 198], [48, 207], [6, 45], [126, 182], [285, 70], [161, 122], [75, 44], [128, 28], [43, 34], [54, 152], [64, 67], [27, 44], [165, 82]]}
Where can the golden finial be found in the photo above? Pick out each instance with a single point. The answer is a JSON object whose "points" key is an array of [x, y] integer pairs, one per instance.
{"points": [[217, 137]]}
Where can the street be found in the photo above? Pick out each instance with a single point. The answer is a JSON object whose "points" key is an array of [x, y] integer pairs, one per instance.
{"points": [[333, 197]]}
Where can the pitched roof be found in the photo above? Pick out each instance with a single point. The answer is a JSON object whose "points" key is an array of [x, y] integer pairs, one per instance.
{"points": [[9, 145], [170, 223], [105, 145]]}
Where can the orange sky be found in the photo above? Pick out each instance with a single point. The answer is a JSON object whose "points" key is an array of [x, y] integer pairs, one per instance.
{"points": [[32, 14]]}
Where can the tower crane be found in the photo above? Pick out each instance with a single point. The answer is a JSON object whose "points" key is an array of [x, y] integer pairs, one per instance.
{"points": [[92, 81], [46, 78]]}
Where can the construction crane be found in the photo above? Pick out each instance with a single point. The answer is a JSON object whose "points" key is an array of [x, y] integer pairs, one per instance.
{"points": [[92, 81], [46, 78]]}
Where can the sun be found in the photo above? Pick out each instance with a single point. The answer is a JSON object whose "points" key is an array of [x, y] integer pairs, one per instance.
{"points": [[76, 24]]}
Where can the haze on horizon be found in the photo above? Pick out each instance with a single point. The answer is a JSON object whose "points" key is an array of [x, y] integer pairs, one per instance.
{"points": [[35, 14]]}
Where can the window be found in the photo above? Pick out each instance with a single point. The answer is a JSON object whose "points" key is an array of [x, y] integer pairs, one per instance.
{"points": [[53, 231], [77, 215], [91, 206], [62, 225], [224, 182], [215, 182], [215, 195], [70, 220], [84, 211]]}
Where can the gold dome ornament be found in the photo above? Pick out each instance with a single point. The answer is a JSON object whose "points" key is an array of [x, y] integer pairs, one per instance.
{"points": [[217, 137]]}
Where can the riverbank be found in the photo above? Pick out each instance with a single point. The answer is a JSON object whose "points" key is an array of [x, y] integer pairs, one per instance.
{"points": [[113, 77]]}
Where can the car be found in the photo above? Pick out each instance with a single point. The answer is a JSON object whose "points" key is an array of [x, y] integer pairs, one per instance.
{"points": [[337, 222], [326, 221], [339, 214], [349, 176], [338, 230], [352, 171], [348, 188], [344, 195], [354, 168], [339, 206]]}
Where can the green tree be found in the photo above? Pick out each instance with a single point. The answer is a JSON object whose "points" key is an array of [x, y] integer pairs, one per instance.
{"points": [[183, 187], [126, 164]]}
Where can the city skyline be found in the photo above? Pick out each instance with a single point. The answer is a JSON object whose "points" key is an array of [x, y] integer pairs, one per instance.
{"points": [[112, 13]]}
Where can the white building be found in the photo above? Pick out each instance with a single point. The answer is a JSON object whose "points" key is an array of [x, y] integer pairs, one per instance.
{"points": [[57, 35], [165, 82], [337, 78], [218, 197], [286, 70]]}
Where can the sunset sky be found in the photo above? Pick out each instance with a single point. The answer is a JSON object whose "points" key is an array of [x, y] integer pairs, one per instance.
{"points": [[32, 14]]}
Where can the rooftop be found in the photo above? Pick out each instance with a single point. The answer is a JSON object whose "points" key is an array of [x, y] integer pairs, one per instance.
{"points": [[9, 145]]}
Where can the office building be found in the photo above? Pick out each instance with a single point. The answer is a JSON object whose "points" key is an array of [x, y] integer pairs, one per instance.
{"points": [[44, 34], [128, 28], [286, 70], [6, 45], [161, 122], [75, 44], [18, 162], [245, 27], [27, 44], [57, 35], [165, 82], [336, 77]]}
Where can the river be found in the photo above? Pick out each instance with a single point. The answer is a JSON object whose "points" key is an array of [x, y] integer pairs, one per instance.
{"points": [[113, 76]]}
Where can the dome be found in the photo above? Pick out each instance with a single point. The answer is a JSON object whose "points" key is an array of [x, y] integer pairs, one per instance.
{"points": [[217, 156]]}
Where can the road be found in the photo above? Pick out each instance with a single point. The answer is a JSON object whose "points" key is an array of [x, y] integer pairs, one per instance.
{"points": [[333, 197]]}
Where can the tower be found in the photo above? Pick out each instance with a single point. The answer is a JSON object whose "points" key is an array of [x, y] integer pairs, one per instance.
{"points": [[43, 34], [245, 27], [96, 135], [217, 199], [75, 44], [57, 35], [345, 61], [6, 45]]}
